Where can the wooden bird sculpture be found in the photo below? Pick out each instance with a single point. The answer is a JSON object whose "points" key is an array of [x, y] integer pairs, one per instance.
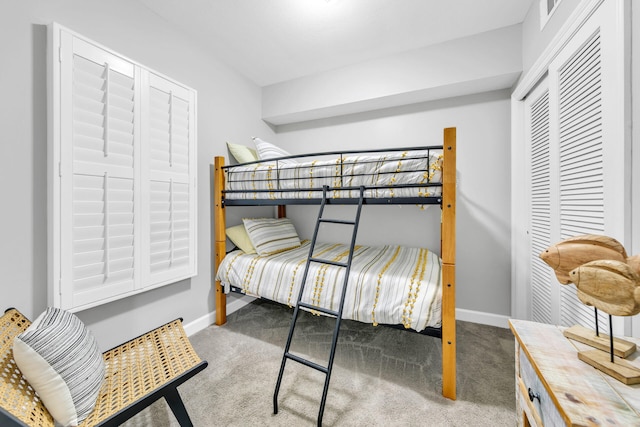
{"points": [[608, 280], [608, 285], [599, 267], [575, 251]]}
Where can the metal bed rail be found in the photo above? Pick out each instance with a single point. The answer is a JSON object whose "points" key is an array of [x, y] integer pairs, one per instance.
{"points": [[278, 183]]}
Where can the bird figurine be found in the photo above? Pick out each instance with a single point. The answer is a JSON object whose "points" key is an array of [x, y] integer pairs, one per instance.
{"points": [[607, 279], [599, 267], [575, 251], [609, 285]]}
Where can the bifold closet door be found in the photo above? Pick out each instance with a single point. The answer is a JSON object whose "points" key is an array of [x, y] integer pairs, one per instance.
{"points": [[577, 162], [97, 174]]}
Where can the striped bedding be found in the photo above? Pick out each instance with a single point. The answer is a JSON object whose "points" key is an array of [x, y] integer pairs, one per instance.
{"points": [[387, 284], [390, 169]]}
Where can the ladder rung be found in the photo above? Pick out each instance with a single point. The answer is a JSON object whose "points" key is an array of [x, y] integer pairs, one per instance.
{"points": [[317, 308], [326, 261], [338, 221], [306, 362]]}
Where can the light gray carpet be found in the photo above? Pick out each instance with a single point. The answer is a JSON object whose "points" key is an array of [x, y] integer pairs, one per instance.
{"points": [[381, 376]]}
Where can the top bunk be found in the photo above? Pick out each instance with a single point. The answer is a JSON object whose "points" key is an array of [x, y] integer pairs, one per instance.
{"points": [[408, 175]]}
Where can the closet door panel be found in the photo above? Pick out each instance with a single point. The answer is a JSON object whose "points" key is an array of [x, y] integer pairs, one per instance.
{"points": [[538, 132], [580, 147]]}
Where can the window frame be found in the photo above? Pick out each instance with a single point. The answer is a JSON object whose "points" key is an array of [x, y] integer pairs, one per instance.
{"points": [[64, 166]]}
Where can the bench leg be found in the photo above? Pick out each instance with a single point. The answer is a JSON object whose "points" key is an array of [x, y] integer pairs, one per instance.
{"points": [[177, 407]]}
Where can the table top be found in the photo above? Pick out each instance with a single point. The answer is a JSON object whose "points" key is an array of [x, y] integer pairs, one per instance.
{"points": [[582, 394]]}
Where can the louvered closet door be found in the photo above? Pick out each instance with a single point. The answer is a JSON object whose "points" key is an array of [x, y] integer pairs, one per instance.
{"points": [[577, 163], [169, 165], [581, 180], [98, 181], [538, 131]]}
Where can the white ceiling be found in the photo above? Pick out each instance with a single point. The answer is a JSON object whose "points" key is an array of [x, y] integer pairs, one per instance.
{"points": [[270, 41]]}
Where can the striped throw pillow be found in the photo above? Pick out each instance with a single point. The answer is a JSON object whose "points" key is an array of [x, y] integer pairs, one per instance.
{"points": [[61, 360], [266, 151], [271, 235]]}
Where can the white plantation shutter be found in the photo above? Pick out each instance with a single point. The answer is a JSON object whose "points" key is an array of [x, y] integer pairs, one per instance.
{"points": [[97, 175], [170, 176], [118, 170]]}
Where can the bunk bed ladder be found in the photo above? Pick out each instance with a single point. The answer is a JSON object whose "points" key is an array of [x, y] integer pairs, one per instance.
{"points": [[337, 314]]}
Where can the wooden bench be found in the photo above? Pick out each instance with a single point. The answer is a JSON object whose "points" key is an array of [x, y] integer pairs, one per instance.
{"points": [[138, 373]]}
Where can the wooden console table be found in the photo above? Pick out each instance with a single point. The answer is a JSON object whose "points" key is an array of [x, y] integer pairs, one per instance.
{"points": [[555, 388]]}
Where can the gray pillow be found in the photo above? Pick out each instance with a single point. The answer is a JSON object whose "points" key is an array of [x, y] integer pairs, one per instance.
{"points": [[271, 235], [61, 360]]}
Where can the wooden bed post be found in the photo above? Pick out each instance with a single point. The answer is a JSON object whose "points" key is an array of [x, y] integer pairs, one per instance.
{"points": [[220, 247], [448, 253]]}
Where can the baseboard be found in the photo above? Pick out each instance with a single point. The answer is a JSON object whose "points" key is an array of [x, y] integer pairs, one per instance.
{"points": [[482, 318], [210, 318]]}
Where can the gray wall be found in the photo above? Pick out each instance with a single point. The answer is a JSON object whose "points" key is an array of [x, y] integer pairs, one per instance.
{"points": [[483, 173], [228, 109]]}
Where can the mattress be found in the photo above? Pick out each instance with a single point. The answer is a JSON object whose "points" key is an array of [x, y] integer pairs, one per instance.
{"points": [[415, 173], [389, 284]]}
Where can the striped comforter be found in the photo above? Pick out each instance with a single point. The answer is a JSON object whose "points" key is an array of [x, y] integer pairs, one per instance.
{"points": [[387, 284], [388, 170]]}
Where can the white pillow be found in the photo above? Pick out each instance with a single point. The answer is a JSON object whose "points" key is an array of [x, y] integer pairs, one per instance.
{"points": [[271, 235], [61, 360], [266, 151]]}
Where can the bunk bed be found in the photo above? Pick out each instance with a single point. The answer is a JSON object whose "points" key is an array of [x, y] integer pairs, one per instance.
{"points": [[399, 176]]}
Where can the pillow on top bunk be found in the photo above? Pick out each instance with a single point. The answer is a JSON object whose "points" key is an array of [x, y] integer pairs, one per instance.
{"points": [[61, 360], [271, 235], [242, 154], [266, 151], [238, 235]]}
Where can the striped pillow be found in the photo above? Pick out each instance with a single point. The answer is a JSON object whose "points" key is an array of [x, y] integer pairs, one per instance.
{"points": [[271, 235], [61, 360], [266, 150]]}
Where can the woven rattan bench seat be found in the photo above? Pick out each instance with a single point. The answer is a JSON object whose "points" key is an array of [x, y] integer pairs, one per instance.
{"points": [[138, 373]]}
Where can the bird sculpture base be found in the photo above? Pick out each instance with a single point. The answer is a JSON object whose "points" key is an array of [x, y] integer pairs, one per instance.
{"points": [[621, 348], [619, 369]]}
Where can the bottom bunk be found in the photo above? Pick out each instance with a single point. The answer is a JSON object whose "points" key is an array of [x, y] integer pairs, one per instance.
{"points": [[391, 285]]}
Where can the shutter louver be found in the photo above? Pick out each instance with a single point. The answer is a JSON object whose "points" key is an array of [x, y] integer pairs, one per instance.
{"points": [[102, 183], [169, 226], [102, 115], [169, 175], [581, 186], [541, 277]]}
